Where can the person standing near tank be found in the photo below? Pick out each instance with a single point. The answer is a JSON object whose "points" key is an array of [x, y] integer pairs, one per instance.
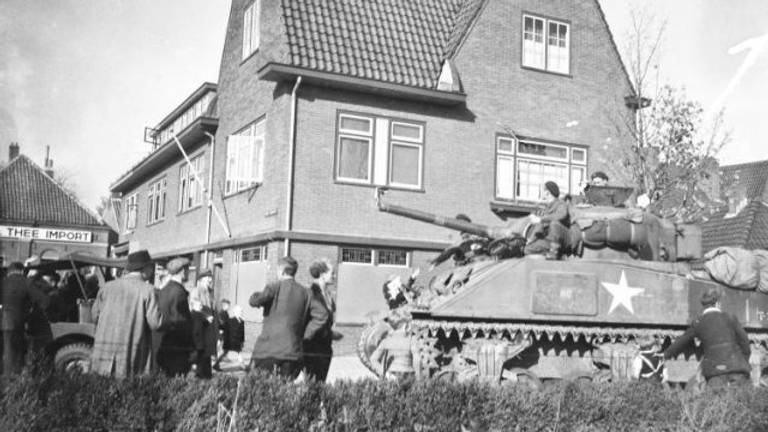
{"points": [[125, 312], [318, 349], [724, 342], [551, 224], [204, 323], [290, 316], [18, 297], [173, 341]]}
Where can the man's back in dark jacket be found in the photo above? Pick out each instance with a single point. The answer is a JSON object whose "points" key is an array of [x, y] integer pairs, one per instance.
{"points": [[289, 317], [172, 343], [19, 294], [724, 341]]}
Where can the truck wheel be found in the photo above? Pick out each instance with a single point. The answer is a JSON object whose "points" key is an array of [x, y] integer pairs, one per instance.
{"points": [[73, 357]]}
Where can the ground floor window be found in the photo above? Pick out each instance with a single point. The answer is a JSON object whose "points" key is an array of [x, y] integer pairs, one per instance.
{"points": [[256, 253], [375, 256]]}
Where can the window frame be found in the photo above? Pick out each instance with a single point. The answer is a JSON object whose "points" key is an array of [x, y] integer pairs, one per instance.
{"points": [[184, 192], [131, 208], [375, 253], [374, 140], [262, 254], [157, 195], [251, 40], [546, 20], [516, 157], [258, 179]]}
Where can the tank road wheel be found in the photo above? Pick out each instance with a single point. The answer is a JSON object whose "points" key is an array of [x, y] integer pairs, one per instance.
{"points": [[73, 357], [520, 377]]}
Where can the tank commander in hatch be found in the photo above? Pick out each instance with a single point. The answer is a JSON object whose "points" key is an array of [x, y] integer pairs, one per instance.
{"points": [[725, 344], [551, 224]]}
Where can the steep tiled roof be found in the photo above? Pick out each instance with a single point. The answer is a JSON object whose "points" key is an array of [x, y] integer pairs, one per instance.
{"points": [[28, 194], [748, 229], [752, 176], [395, 41]]}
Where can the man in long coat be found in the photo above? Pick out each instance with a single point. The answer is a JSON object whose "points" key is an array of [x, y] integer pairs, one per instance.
{"points": [[291, 316], [173, 341], [18, 296], [724, 341], [125, 312]]}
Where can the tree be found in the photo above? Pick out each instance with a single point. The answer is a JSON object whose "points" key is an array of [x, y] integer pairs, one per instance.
{"points": [[673, 147]]}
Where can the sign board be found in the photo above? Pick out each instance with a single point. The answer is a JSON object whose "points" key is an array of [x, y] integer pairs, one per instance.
{"points": [[45, 234]]}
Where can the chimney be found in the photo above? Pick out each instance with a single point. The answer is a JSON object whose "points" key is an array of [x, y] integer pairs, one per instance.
{"points": [[13, 151], [48, 162]]}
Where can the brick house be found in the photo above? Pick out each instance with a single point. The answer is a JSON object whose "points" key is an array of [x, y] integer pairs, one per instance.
{"points": [[744, 222], [457, 106], [40, 218]]}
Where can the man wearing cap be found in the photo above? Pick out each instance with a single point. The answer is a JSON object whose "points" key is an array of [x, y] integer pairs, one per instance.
{"points": [[125, 312], [598, 178], [291, 316], [552, 222], [19, 295], [724, 343], [172, 343]]}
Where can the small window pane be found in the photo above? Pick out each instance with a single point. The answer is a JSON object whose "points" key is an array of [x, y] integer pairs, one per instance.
{"points": [[392, 257], [405, 164], [357, 255], [411, 132], [354, 157], [543, 150], [506, 145], [505, 177], [578, 155], [356, 124], [578, 174]]}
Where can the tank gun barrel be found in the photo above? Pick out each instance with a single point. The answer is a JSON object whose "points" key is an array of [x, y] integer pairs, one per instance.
{"points": [[431, 218]]}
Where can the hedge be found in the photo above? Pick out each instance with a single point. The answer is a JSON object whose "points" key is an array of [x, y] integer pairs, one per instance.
{"points": [[47, 401]]}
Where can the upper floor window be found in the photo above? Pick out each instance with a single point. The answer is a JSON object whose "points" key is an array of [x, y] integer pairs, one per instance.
{"points": [[523, 166], [546, 44], [156, 200], [200, 108], [380, 151], [251, 28], [190, 189], [245, 158], [131, 211]]}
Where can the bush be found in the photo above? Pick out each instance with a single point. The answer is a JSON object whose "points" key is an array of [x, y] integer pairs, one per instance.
{"points": [[72, 402]]}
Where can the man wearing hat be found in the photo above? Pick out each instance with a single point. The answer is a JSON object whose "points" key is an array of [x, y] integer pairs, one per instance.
{"points": [[172, 343], [552, 222], [724, 342], [125, 311], [19, 295]]}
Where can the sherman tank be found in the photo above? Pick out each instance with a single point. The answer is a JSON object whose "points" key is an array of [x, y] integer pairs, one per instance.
{"points": [[626, 277]]}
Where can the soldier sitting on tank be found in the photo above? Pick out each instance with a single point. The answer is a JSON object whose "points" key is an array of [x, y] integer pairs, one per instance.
{"points": [[550, 224], [468, 247]]}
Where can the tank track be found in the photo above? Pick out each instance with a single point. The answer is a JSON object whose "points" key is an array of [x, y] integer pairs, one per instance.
{"points": [[548, 331]]}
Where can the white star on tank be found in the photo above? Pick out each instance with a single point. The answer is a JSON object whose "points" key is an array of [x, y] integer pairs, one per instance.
{"points": [[622, 293]]}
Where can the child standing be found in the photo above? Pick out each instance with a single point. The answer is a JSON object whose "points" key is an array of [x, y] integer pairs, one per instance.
{"points": [[233, 337]]}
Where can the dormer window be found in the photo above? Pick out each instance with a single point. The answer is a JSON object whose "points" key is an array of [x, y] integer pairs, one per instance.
{"points": [[251, 31], [546, 44]]}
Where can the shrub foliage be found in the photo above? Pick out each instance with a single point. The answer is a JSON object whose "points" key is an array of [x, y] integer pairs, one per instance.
{"points": [[73, 402]]}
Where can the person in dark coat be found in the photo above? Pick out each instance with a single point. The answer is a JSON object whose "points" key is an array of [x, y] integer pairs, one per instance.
{"points": [[291, 316], [724, 342], [18, 297], [551, 224], [39, 331], [318, 350], [233, 335], [204, 324], [173, 342]]}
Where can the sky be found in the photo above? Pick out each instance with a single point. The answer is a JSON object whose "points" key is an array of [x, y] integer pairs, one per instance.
{"points": [[86, 76]]}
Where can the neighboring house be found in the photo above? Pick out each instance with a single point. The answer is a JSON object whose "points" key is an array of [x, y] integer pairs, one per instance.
{"points": [[456, 106], [745, 221], [40, 218]]}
